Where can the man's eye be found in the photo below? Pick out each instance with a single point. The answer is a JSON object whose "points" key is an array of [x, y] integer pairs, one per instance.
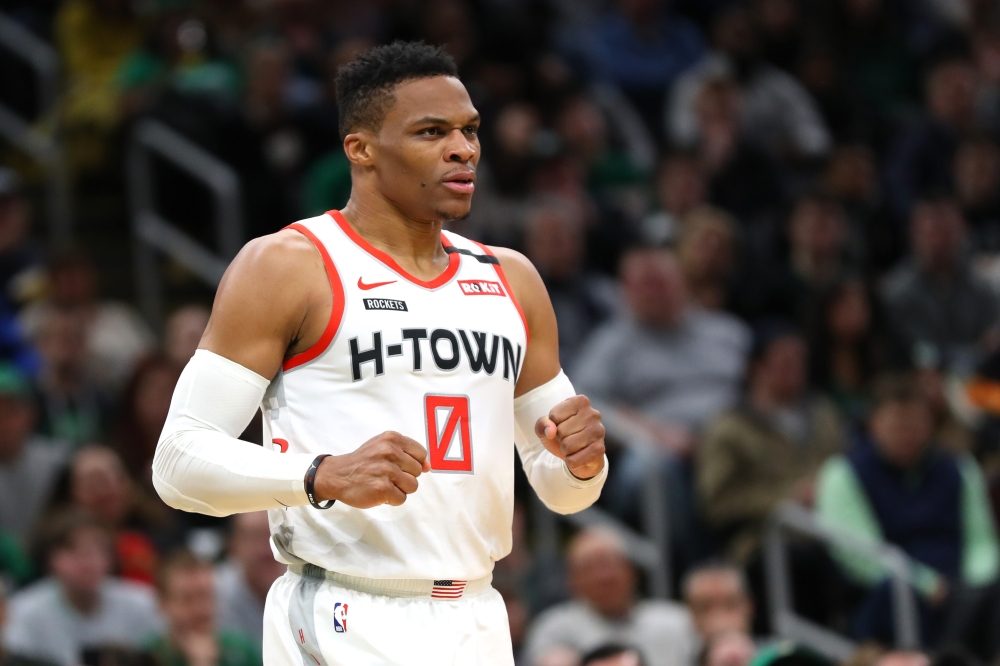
{"points": [[430, 131], [472, 130]]}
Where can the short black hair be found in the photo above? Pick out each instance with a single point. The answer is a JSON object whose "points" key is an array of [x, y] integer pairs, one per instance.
{"points": [[365, 86]]}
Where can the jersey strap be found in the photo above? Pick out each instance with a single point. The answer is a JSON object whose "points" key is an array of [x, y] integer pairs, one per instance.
{"points": [[336, 311], [481, 258]]}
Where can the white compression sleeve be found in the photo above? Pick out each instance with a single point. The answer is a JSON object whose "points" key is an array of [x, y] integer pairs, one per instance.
{"points": [[556, 486], [200, 466]]}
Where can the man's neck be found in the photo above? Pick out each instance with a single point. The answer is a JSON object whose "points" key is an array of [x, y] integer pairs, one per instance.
{"points": [[765, 402], [10, 455], [84, 602], [415, 244]]}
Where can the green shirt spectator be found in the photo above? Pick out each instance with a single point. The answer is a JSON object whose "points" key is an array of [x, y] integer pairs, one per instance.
{"points": [[234, 650]]}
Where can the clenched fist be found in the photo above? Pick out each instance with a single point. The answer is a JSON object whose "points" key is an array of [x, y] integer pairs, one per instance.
{"points": [[383, 470], [573, 432]]}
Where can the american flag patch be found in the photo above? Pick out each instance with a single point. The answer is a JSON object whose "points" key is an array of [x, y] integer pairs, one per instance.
{"points": [[447, 589]]}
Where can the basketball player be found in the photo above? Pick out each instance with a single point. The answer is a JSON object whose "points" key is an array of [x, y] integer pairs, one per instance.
{"points": [[396, 366]]}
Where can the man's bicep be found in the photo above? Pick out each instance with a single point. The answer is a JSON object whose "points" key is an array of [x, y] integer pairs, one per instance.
{"points": [[541, 361], [259, 307]]}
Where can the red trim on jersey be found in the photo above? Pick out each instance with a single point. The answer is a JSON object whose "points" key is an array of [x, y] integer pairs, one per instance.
{"points": [[454, 261], [336, 311], [510, 292]]}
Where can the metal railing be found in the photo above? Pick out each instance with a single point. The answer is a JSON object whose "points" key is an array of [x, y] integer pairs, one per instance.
{"points": [[651, 552], [39, 138], [792, 518], [153, 233]]}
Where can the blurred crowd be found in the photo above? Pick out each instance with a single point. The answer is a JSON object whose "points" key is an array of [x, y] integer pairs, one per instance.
{"points": [[770, 230]]}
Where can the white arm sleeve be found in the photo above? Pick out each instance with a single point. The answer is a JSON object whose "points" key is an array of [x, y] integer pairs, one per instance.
{"points": [[199, 464], [549, 476]]}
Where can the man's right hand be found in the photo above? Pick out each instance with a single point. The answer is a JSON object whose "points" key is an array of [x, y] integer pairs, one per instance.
{"points": [[383, 470]]}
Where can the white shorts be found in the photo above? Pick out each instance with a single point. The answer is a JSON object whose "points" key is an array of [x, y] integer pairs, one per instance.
{"points": [[314, 621]]}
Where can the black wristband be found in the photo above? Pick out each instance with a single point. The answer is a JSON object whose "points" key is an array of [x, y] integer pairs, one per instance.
{"points": [[310, 483]]}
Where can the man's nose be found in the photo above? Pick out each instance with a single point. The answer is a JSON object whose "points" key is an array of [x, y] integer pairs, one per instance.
{"points": [[460, 149]]}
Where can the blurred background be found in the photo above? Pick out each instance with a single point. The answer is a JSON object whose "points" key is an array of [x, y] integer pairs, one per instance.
{"points": [[771, 233]]}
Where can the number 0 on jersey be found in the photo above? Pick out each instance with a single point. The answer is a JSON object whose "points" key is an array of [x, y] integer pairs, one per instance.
{"points": [[448, 440]]}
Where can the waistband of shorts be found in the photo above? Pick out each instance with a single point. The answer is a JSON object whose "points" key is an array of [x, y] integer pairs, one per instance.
{"points": [[398, 587]]}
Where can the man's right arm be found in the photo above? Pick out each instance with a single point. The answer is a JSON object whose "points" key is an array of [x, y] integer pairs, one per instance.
{"points": [[274, 301]]}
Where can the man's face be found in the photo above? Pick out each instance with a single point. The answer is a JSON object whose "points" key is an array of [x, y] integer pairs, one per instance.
{"points": [[602, 576], [188, 600], [425, 155], [719, 604], [17, 420], [937, 232], [902, 431], [784, 368], [99, 485], [654, 287], [251, 547], [83, 565]]}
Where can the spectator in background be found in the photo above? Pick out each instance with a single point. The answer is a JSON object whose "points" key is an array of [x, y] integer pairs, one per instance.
{"points": [[718, 597], [870, 42], [776, 112], [742, 179], [71, 407], [116, 337], [183, 332], [604, 609], [187, 596], [845, 348], [6, 658], [896, 486], [851, 178], [643, 48], [145, 403], [20, 260], [933, 297], [29, 464], [977, 189], [768, 449], [242, 582], [668, 366], [554, 241], [94, 37], [100, 486], [177, 55], [921, 156], [706, 252], [732, 648], [680, 188], [79, 606]]}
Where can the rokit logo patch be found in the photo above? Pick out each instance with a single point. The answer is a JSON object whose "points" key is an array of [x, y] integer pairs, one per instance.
{"points": [[384, 304], [481, 288]]}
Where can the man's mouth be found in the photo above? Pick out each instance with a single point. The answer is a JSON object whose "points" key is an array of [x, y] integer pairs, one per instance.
{"points": [[461, 182]]}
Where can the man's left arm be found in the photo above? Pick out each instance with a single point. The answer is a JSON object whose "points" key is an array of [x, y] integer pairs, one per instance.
{"points": [[559, 435]]}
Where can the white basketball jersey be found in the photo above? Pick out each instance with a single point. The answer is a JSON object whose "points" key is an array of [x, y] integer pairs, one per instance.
{"points": [[435, 361]]}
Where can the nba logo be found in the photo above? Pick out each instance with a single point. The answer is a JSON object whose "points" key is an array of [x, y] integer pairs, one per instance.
{"points": [[340, 618]]}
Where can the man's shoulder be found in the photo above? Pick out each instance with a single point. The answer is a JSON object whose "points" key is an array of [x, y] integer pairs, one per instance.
{"points": [[719, 326], [901, 281], [567, 613], [44, 454], [39, 598], [664, 613], [237, 649], [128, 596]]}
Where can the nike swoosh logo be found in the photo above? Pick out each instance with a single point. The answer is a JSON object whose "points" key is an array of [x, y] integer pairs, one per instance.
{"points": [[366, 287]]}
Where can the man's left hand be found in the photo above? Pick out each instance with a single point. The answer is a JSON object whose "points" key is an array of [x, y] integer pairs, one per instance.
{"points": [[573, 432]]}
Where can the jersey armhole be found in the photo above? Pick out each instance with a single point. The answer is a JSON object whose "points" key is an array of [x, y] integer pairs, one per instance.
{"points": [[510, 292], [336, 310]]}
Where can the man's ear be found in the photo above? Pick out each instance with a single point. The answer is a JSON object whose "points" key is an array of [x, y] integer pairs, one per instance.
{"points": [[360, 148]]}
